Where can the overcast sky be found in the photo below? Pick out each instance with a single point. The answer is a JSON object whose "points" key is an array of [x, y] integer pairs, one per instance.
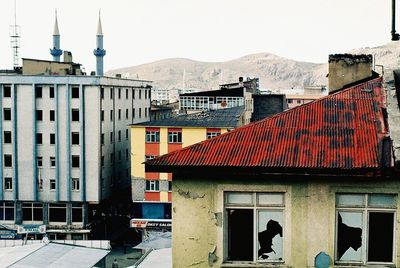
{"points": [[142, 31]]}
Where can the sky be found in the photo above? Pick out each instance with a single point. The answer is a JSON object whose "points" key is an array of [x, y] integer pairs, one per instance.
{"points": [[142, 31]]}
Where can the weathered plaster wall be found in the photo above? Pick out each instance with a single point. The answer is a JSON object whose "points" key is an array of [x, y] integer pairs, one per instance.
{"points": [[309, 228]]}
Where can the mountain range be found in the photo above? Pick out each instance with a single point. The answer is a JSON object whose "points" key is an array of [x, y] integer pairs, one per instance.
{"points": [[273, 71]]}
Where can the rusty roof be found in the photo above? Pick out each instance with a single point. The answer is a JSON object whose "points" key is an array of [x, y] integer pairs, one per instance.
{"points": [[340, 131]]}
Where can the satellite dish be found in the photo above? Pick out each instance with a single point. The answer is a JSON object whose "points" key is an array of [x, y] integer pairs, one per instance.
{"points": [[45, 240]]}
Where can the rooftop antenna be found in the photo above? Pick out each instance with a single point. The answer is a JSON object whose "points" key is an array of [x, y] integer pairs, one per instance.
{"points": [[15, 38]]}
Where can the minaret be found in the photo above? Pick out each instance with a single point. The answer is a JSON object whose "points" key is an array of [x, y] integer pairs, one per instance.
{"points": [[99, 52], [56, 52]]}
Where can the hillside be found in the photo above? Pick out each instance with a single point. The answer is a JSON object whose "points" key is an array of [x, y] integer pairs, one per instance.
{"points": [[274, 72]]}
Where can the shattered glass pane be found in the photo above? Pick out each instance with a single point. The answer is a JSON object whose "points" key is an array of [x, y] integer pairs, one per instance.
{"points": [[382, 201], [270, 199], [350, 200], [270, 235], [349, 236], [239, 198]]}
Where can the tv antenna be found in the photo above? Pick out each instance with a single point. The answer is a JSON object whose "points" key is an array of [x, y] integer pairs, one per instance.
{"points": [[15, 38]]}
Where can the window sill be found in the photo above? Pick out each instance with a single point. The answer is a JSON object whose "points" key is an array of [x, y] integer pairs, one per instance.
{"points": [[251, 265]]}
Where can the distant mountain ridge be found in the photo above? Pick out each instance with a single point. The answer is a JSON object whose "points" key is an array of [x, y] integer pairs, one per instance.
{"points": [[274, 72]]}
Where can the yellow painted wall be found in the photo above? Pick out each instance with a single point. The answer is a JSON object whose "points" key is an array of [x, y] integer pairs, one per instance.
{"points": [[309, 226], [138, 136]]}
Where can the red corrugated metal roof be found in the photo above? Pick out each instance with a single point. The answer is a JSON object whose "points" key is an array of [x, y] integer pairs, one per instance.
{"points": [[339, 131]]}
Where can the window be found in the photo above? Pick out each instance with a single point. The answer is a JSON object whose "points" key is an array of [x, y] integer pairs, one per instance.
{"points": [[126, 154], [7, 114], [145, 94], [119, 156], [38, 92], [102, 160], [119, 93], [75, 161], [52, 138], [149, 157], [57, 212], [126, 93], [290, 100], [102, 115], [75, 184], [119, 114], [126, 134], [8, 183], [174, 137], [75, 115], [133, 93], [127, 173], [212, 134], [102, 138], [111, 158], [140, 112], [111, 115], [7, 137], [52, 184], [39, 161], [52, 115], [7, 92], [140, 93], [119, 135], [102, 92], [6, 211], [365, 228], [254, 226], [152, 136], [52, 162], [169, 186], [75, 93], [75, 138], [32, 212], [133, 113], [77, 213], [111, 93], [111, 137], [145, 112], [8, 160], [39, 115], [39, 138], [126, 113], [152, 186], [51, 92]]}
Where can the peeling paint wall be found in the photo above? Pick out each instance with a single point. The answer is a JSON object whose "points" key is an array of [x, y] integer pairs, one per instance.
{"points": [[309, 219]]}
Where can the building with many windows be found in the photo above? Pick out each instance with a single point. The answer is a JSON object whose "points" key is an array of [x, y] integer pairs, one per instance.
{"points": [[64, 144], [151, 192]]}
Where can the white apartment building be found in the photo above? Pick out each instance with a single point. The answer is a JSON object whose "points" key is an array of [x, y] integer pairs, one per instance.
{"points": [[64, 147]]}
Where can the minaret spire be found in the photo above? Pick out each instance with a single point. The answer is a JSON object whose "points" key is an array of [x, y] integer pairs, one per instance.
{"points": [[56, 52], [99, 52]]}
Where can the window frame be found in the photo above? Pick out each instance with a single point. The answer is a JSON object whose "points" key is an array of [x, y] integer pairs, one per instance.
{"points": [[256, 208], [174, 136], [7, 137], [152, 186], [4, 205], [32, 207], [8, 184], [75, 184], [365, 211], [152, 136]]}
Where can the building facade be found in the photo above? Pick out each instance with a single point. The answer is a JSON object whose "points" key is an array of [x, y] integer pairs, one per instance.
{"points": [[316, 184], [151, 191], [65, 147]]}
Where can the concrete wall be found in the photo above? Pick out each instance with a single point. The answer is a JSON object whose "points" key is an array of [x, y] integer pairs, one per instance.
{"points": [[346, 68], [309, 217]]}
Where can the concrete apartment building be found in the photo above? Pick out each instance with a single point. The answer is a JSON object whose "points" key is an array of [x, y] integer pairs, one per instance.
{"points": [[64, 142]]}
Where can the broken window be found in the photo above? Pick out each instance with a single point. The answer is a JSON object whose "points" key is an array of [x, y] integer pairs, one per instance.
{"points": [[254, 226], [365, 228]]}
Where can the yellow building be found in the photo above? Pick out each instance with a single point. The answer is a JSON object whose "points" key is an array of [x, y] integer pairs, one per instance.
{"points": [[151, 191]]}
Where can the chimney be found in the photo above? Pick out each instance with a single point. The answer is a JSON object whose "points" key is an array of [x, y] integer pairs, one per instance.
{"points": [[240, 81], [345, 69], [67, 56]]}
